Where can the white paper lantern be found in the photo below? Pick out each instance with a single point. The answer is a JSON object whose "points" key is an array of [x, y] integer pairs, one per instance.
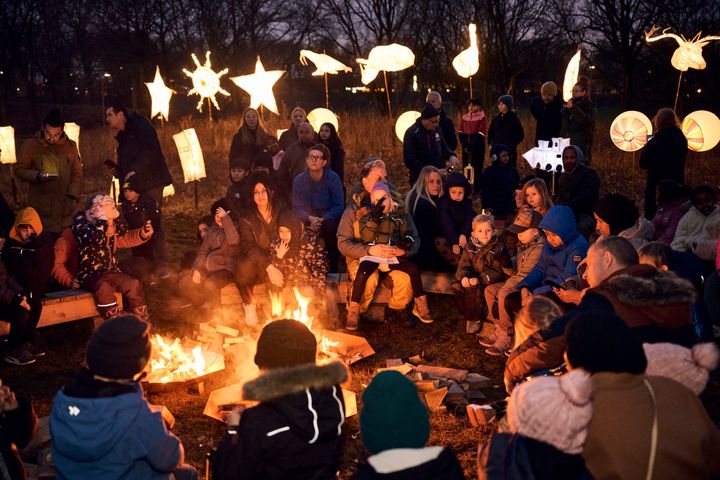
{"points": [[405, 121], [689, 52], [72, 130], [259, 85], [390, 58], [206, 82], [467, 62], [702, 130], [115, 191], [324, 64], [629, 131], [547, 155], [7, 145], [318, 116], [191, 156], [280, 131], [160, 96], [168, 191], [571, 75]]}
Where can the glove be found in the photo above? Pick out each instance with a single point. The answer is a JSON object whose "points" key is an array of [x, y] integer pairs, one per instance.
{"points": [[406, 242], [377, 210]]}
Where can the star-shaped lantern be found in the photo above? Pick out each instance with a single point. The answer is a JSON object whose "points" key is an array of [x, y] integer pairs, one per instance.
{"points": [[259, 85], [206, 82], [160, 95]]}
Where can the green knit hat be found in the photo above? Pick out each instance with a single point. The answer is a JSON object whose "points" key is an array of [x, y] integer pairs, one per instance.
{"points": [[393, 415]]}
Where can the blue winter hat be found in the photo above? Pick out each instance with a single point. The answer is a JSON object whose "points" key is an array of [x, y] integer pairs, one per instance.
{"points": [[507, 100], [393, 415]]}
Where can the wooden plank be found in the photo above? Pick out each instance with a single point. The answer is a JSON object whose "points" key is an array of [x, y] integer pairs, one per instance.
{"points": [[442, 372]]}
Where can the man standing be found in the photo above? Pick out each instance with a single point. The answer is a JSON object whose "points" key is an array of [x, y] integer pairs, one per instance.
{"points": [[424, 144], [446, 125], [546, 110], [139, 156], [50, 163]]}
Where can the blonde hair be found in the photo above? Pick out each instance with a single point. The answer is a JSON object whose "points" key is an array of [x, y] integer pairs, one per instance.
{"points": [[483, 218], [540, 312], [260, 136], [419, 190], [539, 185]]}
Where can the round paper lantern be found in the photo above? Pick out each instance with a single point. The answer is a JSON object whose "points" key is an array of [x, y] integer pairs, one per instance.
{"points": [[702, 129], [629, 131], [404, 122], [319, 116]]}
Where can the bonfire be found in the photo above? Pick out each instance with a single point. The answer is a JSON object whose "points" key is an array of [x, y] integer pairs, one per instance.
{"points": [[174, 362]]}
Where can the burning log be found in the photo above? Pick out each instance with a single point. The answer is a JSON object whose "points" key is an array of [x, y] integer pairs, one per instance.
{"points": [[174, 364]]}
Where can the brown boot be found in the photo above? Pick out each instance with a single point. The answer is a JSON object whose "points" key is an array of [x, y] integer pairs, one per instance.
{"points": [[141, 312], [421, 310], [353, 316], [503, 344]]}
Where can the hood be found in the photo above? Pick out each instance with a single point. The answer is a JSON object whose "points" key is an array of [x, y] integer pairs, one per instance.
{"points": [[580, 156], [91, 427], [643, 285], [308, 397], [26, 216], [457, 179], [561, 221]]}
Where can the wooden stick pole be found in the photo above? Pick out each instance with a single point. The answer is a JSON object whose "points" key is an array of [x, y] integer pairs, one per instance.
{"points": [[470, 86], [677, 92], [387, 94], [196, 194], [327, 98]]}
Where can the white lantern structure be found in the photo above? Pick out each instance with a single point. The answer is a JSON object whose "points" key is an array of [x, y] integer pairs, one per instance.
{"points": [[72, 130], [168, 191], [702, 130], [206, 82], [318, 116], [547, 155], [571, 75], [160, 96], [630, 130], [387, 58], [324, 64], [191, 156], [7, 145], [689, 52], [259, 85], [405, 121]]}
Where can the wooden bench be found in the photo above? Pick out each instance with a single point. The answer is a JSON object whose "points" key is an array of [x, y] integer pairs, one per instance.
{"points": [[65, 306]]}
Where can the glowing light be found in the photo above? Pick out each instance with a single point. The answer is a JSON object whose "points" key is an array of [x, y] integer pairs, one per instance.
{"points": [[689, 52], [280, 131], [168, 191], [191, 156], [115, 189], [7, 145], [415, 84], [405, 121], [629, 130], [318, 116], [390, 58], [160, 96], [467, 62], [571, 75], [547, 155], [206, 82], [259, 85], [702, 130], [323, 63], [72, 130]]}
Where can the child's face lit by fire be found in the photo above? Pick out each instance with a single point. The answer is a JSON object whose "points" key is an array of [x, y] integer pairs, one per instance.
{"points": [[482, 232], [285, 234], [380, 196], [457, 194]]}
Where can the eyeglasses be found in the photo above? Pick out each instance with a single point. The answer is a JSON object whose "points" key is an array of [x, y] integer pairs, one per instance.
{"points": [[315, 157]]}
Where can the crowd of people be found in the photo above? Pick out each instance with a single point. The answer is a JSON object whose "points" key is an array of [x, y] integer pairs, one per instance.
{"points": [[605, 313]]}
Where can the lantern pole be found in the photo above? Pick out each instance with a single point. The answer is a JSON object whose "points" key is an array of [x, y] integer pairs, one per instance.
{"points": [[470, 85], [209, 109], [387, 94], [677, 92], [327, 98], [12, 183], [196, 194]]}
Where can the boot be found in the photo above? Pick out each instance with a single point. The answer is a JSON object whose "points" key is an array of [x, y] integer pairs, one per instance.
{"points": [[353, 316], [109, 312], [421, 310], [141, 312], [251, 318], [489, 340], [503, 344], [472, 326]]}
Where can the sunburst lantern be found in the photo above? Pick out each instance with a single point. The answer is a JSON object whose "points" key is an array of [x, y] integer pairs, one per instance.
{"points": [[318, 116], [191, 156], [160, 96], [404, 122], [702, 130], [7, 145], [259, 85], [571, 75], [629, 131], [206, 82]]}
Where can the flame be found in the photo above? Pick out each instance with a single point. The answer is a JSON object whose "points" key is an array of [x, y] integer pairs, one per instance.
{"points": [[171, 362]]}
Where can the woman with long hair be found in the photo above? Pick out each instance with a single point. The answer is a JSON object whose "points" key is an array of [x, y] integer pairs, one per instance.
{"points": [[290, 136], [329, 137], [251, 138]]}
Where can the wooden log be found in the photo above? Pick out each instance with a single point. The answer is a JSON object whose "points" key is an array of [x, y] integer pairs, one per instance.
{"points": [[455, 395], [350, 400], [229, 331], [442, 372], [427, 385], [393, 362], [434, 399], [477, 381]]}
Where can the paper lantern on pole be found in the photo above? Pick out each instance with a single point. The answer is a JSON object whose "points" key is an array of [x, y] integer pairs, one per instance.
{"points": [[191, 156], [629, 131], [7, 145], [689, 52], [702, 130], [206, 82], [388, 58], [547, 155], [168, 191], [405, 121], [318, 116], [467, 62], [160, 96], [259, 85], [571, 75], [72, 130], [115, 189], [324, 64]]}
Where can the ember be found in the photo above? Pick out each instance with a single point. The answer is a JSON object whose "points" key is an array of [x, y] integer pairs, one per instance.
{"points": [[173, 362]]}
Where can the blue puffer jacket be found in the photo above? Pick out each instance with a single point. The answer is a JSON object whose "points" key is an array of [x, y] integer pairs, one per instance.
{"points": [[557, 264]]}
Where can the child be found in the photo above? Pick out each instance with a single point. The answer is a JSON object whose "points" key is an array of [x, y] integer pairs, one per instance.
{"points": [[298, 255], [387, 223], [473, 130], [498, 183], [531, 241], [138, 210], [673, 202], [238, 189], [456, 212], [480, 265], [537, 315], [699, 228]]}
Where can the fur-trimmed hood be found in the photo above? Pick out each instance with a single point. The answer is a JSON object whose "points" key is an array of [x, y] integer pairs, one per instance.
{"points": [[642, 285], [288, 381]]}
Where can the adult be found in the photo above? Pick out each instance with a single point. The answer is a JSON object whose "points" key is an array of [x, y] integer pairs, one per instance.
{"points": [[578, 118], [317, 200], [546, 110], [446, 125], [351, 245], [673, 203], [615, 214], [642, 426], [328, 136], [505, 127], [663, 157], [424, 144], [293, 161], [435, 253], [251, 139], [257, 229], [699, 229], [578, 188], [295, 431], [139, 156], [290, 136], [51, 164]]}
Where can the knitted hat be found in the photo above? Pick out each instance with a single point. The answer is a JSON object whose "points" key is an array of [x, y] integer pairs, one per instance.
{"points": [[497, 149], [549, 88], [598, 341], [507, 100], [380, 186], [129, 185], [691, 367], [223, 203], [618, 211], [120, 348], [393, 415], [525, 219], [285, 343], [554, 410], [429, 111], [243, 163], [457, 179]]}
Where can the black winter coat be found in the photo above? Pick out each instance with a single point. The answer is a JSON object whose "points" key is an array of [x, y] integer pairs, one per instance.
{"points": [[294, 433], [506, 129], [455, 218], [139, 151], [427, 221], [548, 116], [31, 263], [579, 190], [498, 188], [16, 429], [664, 159], [444, 467], [448, 131], [422, 147], [11, 292], [256, 235], [135, 215]]}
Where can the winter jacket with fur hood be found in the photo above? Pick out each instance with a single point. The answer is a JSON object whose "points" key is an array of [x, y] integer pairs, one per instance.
{"points": [[698, 233], [295, 432]]}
